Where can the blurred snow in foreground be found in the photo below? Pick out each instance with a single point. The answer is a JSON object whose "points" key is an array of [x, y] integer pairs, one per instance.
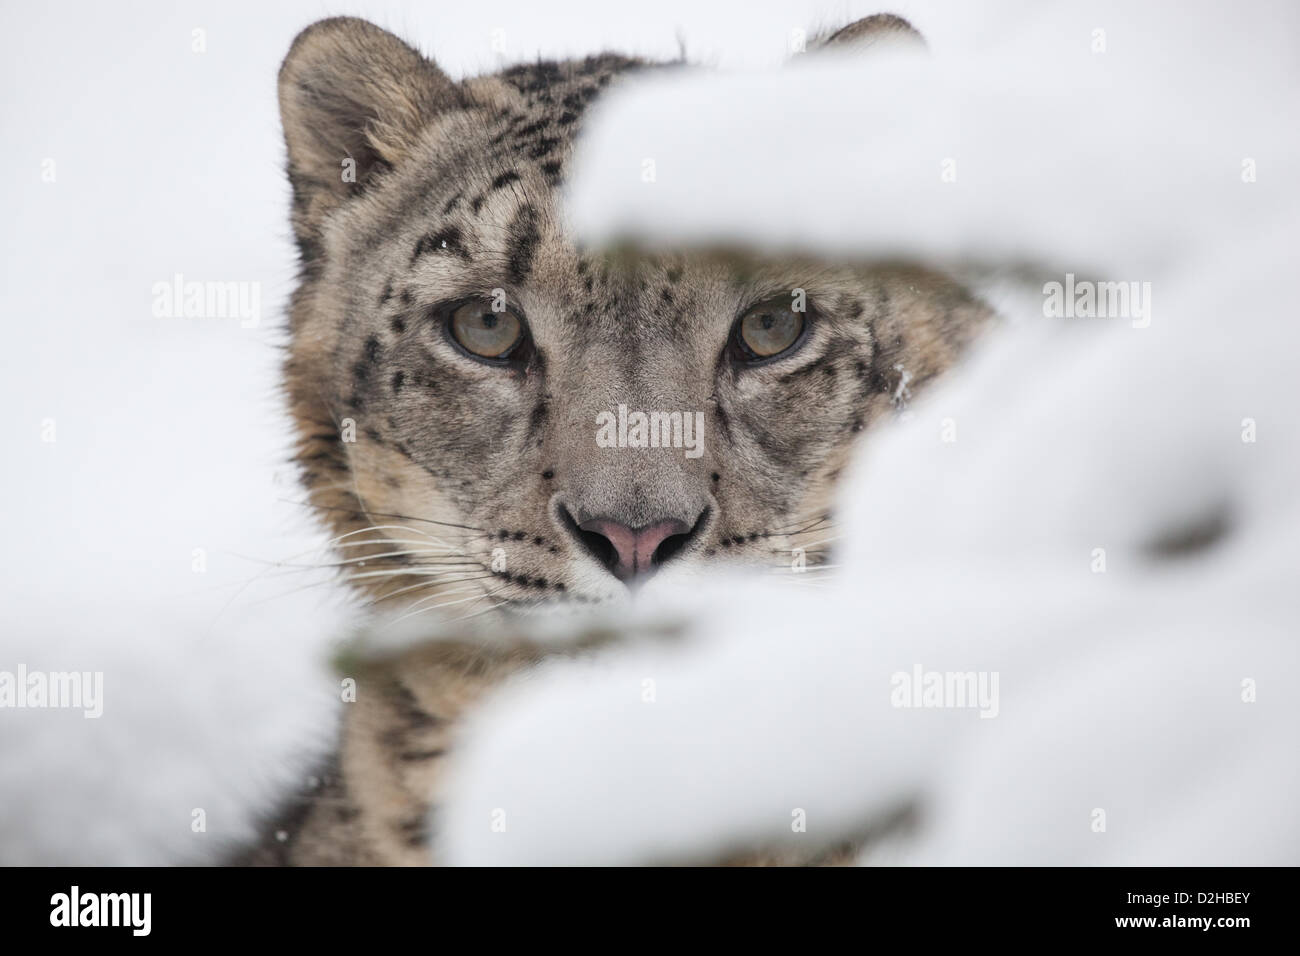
{"points": [[1154, 699]]}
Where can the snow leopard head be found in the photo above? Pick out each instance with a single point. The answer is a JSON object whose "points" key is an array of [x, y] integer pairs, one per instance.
{"points": [[492, 417]]}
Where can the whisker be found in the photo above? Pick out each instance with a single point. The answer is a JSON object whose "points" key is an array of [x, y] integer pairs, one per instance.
{"points": [[362, 559], [808, 569], [387, 527], [423, 572], [814, 544], [434, 558], [478, 597], [487, 610], [385, 514], [800, 526], [428, 584]]}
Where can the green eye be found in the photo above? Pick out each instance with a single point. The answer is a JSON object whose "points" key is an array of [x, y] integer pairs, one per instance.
{"points": [[769, 329], [484, 332]]}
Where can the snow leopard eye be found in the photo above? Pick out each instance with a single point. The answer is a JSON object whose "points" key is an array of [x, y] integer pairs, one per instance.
{"points": [[769, 329], [484, 332]]}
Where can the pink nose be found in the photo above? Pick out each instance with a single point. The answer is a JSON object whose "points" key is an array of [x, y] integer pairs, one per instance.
{"points": [[634, 548]]}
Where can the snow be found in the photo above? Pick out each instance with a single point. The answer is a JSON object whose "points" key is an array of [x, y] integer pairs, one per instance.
{"points": [[1127, 730], [1120, 691]]}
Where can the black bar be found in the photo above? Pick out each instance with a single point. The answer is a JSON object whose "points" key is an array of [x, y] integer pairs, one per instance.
{"points": [[234, 905]]}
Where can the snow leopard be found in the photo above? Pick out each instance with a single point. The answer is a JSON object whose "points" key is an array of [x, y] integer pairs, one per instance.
{"points": [[494, 421]]}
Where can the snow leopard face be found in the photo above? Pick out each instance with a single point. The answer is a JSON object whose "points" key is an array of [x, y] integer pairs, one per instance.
{"points": [[491, 417]]}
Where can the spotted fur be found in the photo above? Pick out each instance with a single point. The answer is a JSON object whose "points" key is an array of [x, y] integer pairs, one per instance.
{"points": [[485, 471]]}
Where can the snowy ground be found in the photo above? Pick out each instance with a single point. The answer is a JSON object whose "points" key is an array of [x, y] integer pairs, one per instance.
{"points": [[1120, 691]]}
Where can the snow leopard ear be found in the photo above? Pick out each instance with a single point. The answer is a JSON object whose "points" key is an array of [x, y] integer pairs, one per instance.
{"points": [[354, 100], [881, 30]]}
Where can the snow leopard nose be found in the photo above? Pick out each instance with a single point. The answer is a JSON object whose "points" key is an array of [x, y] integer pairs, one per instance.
{"points": [[632, 553]]}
